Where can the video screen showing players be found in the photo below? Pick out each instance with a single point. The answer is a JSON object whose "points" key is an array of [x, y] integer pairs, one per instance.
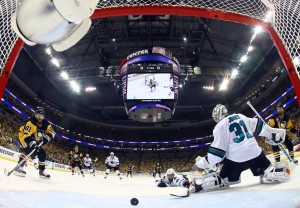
{"points": [[151, 86]]}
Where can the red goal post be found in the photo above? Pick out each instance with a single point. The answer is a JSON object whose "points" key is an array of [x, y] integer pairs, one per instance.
{"points": [[283, 27]]}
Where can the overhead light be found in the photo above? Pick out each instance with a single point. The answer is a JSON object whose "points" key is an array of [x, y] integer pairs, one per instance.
{"points": [[234, 73], [243, 58], [75, 86], [224, 84], [55, 62], [208, 87], [185, 39], [90, 89], [258, 29], [180, 86], [48, 51], [250, 48], [113, 39], [64, 75]]}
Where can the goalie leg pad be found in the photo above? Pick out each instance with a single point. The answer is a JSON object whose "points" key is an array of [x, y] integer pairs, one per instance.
{"points": [[208, 182], [279, 173]]}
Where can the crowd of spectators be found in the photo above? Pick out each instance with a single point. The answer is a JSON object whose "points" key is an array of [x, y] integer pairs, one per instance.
{"points": [[142, 156]]}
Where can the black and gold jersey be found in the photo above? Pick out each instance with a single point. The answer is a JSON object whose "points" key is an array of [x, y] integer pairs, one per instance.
{"points": [[281, 121], [34, 130], [152, 83], [75, 156]]}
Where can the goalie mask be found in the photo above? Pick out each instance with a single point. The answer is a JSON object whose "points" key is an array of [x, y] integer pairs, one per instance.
{"points": [[219, 112]]}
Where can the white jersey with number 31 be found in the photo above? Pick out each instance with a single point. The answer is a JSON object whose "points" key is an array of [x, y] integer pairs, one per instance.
{"points": [[233, 138]]}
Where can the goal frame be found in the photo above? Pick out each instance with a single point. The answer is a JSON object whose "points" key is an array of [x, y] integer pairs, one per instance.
{"points": [[179, 11]]}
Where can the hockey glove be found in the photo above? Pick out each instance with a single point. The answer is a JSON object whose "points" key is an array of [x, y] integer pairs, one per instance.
{"points": [[274, 139], [186, 184], [46, 138], [34, 145]]}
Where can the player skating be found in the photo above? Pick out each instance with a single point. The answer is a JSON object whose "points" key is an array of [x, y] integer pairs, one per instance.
{"points": [[157, 170], [171, 179], [129, 170], [234, 143], [152, 85], [283, 121], [87, 164], [112, 162], [36, 131], [75, 158]]}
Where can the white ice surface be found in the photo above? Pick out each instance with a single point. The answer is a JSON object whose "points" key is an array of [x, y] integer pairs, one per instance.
{"points": [[64, 190]]}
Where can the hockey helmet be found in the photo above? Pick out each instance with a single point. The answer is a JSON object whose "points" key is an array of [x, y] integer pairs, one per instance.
{"points": [[279, 105], [87, 155], [39, 112], [280, 108], [170, 174], [219, 112], [112, 154]]}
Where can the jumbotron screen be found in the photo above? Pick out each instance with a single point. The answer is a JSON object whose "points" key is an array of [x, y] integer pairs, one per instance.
{"points": [[150, 86]]}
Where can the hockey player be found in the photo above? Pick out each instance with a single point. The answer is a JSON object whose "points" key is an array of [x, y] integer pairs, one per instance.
{"points": [[157, 170], [283, 121], [87, 164], [171, 178], [75, 158], [129, 170], [152, 84], [36, 131], [234, 143], [112, 162]]}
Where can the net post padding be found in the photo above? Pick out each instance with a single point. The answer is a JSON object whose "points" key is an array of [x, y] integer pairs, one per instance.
{"points": [[10, 65], [211, 14]]}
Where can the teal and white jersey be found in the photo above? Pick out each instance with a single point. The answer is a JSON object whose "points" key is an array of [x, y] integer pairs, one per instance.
{"points": [[234, 139], [178, 180], [112, 161], [87, 161]]}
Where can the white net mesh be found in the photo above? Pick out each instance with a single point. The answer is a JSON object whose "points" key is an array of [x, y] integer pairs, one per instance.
{"points": [[286, 20], [287, 26], [252, 8], [8, 37]]}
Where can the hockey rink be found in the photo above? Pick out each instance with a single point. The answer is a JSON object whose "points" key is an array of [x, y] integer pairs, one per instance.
{"points": [[138, 90], [64, 190]]}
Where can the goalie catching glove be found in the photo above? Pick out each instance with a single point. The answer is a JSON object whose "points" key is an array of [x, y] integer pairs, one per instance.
{"points": [[275, 136], [274, 139]]}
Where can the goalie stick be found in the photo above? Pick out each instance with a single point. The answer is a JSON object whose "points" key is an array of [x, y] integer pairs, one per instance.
{"points": [[8, 173], [279, 145]]}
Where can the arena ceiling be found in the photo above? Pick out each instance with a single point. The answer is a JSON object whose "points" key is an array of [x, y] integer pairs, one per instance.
{"points": [[214, 46]]}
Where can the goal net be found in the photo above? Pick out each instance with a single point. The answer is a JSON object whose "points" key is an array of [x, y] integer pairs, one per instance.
{"points": [[284, 20]]}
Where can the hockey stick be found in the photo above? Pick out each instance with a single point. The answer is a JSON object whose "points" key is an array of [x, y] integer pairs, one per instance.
{"points": [[279, 145], [186, 194], [22, 161]]}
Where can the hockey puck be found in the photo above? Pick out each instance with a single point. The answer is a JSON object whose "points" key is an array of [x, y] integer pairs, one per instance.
{"points": [[134, 201]]}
